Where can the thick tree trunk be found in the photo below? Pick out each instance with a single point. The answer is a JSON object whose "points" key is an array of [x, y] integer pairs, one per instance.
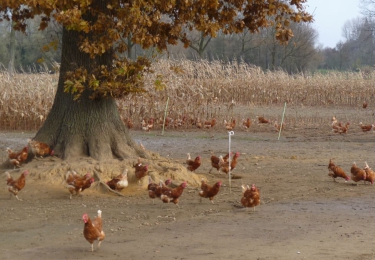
{"points": [[85, 127]]}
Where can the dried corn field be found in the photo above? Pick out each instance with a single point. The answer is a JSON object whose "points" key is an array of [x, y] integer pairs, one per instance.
{"points": [[198, 91]]}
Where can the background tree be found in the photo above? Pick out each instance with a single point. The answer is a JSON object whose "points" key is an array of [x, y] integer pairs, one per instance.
{"points": [[12, 43], [368, 7], [84, 119], [199, 42], [23, 51], [357, 51]]}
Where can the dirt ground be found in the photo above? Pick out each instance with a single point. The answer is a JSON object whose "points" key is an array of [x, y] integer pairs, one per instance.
{"points": [[303, 213]]}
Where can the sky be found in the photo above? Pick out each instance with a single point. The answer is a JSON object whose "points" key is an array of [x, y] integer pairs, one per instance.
{"points": [[330, 16]]}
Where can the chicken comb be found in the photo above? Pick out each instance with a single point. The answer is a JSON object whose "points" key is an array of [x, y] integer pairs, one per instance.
{"points": [[85, 217]]}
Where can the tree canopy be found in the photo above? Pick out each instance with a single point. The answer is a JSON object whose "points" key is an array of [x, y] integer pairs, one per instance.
{"points": [[104, 26]]}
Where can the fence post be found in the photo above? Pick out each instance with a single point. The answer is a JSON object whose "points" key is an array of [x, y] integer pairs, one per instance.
{"points": [[229, 160]]}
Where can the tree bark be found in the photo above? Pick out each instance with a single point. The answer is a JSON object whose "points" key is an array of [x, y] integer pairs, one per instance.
{"points": [[85, 127]]}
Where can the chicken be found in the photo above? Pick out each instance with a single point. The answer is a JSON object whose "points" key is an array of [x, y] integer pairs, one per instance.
{"points": [[144, 126], [334, 125], [40, 149], [251, 196], [263, 120], [179, 122], [366, 128], [93, 230], [140, 170], [147, 126], [230, 125], [338, 127], [198, 123], [156, 190], [167, 123], [173, 195], [233, 163], [224, 165], [15, 163], [150, 123], [357, 174], [210, 124], [226, 157], [70, 176], [15, 186], [208, 191], [11, 154], [17, 158], [22, 156], [370, 174], [279, 126], [334, 120], [119, 182], [77, 184], [246, 123], [344, 129], [129, 123], [192, 165], [215, 162], [336, 171]]}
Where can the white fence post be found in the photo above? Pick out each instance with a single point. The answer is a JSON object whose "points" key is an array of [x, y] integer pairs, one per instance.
{"points": [[229, 160]]}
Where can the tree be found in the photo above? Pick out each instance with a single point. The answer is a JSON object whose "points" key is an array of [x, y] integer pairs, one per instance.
{"points": [[12, 43], [84, 119], [368, 7], [199, 43]]}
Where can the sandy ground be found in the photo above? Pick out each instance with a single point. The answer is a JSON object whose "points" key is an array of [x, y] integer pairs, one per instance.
{"points": [[303, 213]]}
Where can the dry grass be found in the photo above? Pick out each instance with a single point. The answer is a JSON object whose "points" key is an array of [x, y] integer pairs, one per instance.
{"points": [[200, 90], [25, 99]]}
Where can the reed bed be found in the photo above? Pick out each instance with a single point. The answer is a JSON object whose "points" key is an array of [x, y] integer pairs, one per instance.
{"points": [[200, 90]]}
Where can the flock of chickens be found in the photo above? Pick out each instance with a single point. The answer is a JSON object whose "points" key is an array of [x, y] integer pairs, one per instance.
{"points": [[341, 128], [93, 229], [39, 149], [76, 184], [357, 174], [149, 124]]}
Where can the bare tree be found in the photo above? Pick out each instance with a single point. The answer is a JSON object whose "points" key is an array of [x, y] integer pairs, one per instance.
{"points": [[12, 43], [199, 42], [367, 7]]}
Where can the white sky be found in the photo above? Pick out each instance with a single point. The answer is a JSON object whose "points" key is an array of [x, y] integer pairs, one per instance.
{"points": [[330, 16]]}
